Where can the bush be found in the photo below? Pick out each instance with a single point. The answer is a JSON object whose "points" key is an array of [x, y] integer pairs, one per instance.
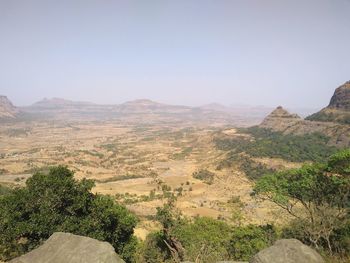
{"points": [[204, 238], [4, 190], [153, 249], [204, 175], [56, 202], [249, 240]]}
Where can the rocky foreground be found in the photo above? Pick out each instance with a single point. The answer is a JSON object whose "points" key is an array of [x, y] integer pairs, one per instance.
{"points": [[69, 248]]}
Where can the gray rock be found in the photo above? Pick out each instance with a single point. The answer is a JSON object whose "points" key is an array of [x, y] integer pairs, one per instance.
{"points": [[69, 248], [287, 251]]}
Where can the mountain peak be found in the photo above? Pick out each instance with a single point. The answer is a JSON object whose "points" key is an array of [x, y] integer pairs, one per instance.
{"points": [[279, 119], [280, 112], [7, 110], [338, 109], [341, 97]]}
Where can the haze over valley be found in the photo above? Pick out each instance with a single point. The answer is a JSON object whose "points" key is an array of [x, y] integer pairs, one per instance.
{"points": [[174, 131]]}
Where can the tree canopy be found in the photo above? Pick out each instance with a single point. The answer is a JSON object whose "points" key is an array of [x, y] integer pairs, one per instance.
{"points": [[316, 195], [56, 202]]}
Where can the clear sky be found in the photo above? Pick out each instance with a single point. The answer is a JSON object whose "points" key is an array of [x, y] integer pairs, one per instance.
{"points": [[258, 52]]}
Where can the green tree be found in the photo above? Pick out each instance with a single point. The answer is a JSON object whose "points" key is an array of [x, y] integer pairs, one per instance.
{"points": [[316, 195], [57, 202], [170, 219]]}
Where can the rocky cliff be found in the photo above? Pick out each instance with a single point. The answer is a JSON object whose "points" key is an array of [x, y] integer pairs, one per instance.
{"points": [[338, 109], [341, 98], [7, 110], [332, 121]]}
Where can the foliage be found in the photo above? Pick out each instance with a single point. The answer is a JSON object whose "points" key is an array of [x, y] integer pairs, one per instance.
{"points": [[204, 175], [330, 116], [202, 239], [4, 190], [153, 250], [252, 169], [57, 202], [316, 195], [249, 240], [266, 143]]}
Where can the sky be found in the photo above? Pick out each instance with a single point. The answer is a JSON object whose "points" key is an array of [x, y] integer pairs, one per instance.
{"points": [[192, 52]]}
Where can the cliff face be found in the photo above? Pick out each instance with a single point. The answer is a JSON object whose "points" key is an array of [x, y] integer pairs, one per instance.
{"points": [[338, 109], [341, 98], [7, 110], [332, 121]]}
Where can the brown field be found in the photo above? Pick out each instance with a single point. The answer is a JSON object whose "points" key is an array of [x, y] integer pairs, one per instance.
{"points": [[133, 163]]}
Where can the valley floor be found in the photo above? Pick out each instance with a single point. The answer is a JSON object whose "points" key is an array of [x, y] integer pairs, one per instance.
{"points": [[138, 165]]}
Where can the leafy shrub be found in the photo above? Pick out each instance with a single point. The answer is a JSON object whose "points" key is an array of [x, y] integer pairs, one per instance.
{"points": [[153, 249], [4, 190], [248, 240], [205, 239]]}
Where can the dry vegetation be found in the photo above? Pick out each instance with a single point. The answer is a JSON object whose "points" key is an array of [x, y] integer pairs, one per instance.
{"points": [[139, 165]]}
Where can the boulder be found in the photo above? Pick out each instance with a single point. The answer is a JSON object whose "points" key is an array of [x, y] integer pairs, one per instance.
{"points": [[69, 248], [287, 251]]}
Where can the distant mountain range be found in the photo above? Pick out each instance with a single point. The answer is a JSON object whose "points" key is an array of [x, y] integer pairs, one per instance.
{"points": [[142, 111], [148, 111]]}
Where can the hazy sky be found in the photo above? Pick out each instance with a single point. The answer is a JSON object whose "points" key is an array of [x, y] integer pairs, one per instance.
{"points": [[258, 52]]}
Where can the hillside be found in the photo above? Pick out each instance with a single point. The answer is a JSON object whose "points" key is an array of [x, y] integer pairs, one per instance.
{"points": [[330, 121], [7, 110], [339, 134], [338, 109]]}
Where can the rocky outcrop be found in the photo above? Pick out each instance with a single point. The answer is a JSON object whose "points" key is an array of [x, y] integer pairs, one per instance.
{"points": [[341, 98], [7, 110], [287, 251], [69, 248], [338, 109], [331, 121]]}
